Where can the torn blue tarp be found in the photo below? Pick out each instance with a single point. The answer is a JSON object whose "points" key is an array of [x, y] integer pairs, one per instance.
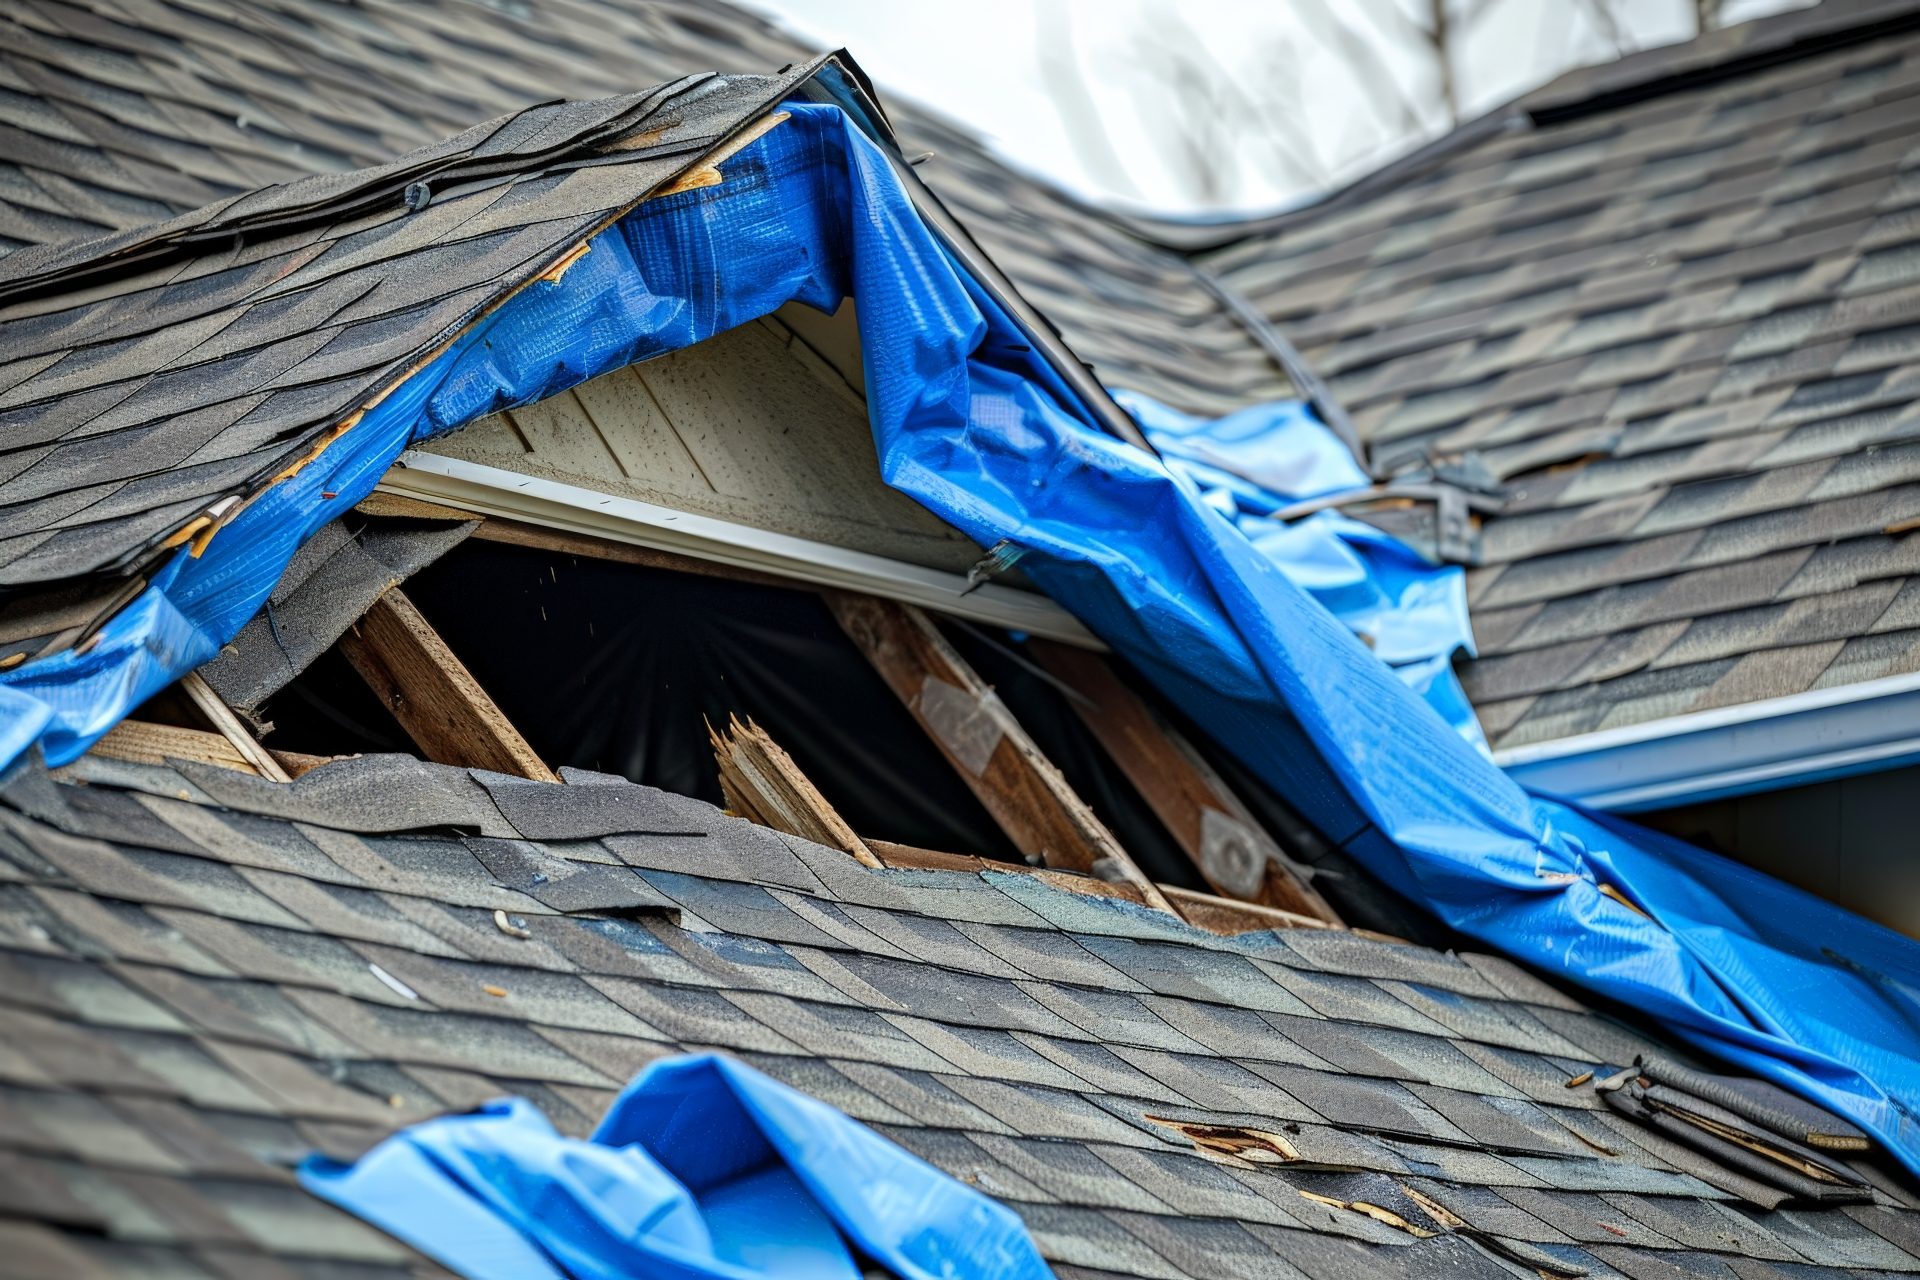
{"points": [[1251, 464], [968, 420], [1267, 455], [702, 1169]]}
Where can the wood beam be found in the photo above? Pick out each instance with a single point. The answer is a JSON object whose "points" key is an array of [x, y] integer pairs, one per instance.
{"points": [[762, 783], [1231, 850], [980, 738], [432, 694], [143, 742]]}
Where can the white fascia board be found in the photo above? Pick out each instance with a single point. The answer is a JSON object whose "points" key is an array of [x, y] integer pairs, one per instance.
{"points": [[494, 491], [1759, 746]]}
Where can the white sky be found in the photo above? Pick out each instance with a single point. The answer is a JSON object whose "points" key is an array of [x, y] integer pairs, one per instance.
{"points": [[1293, 95]]}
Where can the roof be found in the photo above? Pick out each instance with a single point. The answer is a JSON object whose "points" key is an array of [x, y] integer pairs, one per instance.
{"points": [[207, 974], [156, 376], [1670, 305], [1664, 300], [210, 974], [114, 115]]}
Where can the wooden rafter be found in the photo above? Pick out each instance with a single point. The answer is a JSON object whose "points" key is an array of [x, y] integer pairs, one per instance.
{"points": [[432, 694], [985, 744], [762, 783], [1227, 844]]}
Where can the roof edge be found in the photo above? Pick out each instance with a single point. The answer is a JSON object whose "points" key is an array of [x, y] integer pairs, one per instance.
{"points": [[1721, 54], [1770, 42], [1709, 755]]}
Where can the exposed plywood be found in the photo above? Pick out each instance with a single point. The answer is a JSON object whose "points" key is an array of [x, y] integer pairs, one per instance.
{"points": [[752, 425], [634, 431], [833, 340], [749, 444], [432, 694]]}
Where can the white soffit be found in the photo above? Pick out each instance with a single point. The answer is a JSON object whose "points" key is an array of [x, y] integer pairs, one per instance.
{"points": [[552, 504]]}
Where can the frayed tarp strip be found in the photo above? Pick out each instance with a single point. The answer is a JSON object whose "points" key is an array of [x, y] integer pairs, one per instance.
{"points": [[702, 1169], [969, 421]]}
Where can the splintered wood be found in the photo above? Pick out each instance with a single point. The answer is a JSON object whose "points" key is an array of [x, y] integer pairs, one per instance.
{"points": [[228, 725], [979, 736], [432, 694], [1226, 843], [763, 784]]}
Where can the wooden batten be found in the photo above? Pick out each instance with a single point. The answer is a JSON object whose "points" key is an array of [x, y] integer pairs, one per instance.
{"points": [[229, 726], [985, 744], [1228, 846], [432, 694]]}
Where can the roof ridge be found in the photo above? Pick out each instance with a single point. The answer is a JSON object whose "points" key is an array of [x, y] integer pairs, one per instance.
{"points": [[1711, 57]]}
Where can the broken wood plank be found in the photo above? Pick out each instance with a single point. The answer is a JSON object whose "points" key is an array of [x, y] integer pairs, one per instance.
{"points": [[227, 724], [1228, 846], [761, 782], [432, 694], [143, 742], [979, 736]]}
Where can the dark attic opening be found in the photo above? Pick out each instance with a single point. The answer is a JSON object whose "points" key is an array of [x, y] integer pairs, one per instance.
{"points": [[913, 738]]}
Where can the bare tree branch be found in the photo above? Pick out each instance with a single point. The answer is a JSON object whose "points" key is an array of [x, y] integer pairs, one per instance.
{"points": [[1073, 100], [1608, 23], [1440, 36], [1388, 102]]}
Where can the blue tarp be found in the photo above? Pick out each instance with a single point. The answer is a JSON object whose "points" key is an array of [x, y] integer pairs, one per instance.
{"points": [[702, 1169], [968, 420], [1250, 464]]}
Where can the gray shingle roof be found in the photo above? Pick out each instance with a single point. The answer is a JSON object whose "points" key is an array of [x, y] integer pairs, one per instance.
{"points": [[1684, 331], [115, 114], [1674, 316], [157, 373], [207, 975]]}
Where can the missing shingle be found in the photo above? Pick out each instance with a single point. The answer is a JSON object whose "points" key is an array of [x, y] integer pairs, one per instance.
{"points": [[1374, 1211], [1233, 1144], [1541, 1262]]}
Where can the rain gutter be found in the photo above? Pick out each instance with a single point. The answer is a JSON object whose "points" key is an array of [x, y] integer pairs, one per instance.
{"points": [[1757, 746]]}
